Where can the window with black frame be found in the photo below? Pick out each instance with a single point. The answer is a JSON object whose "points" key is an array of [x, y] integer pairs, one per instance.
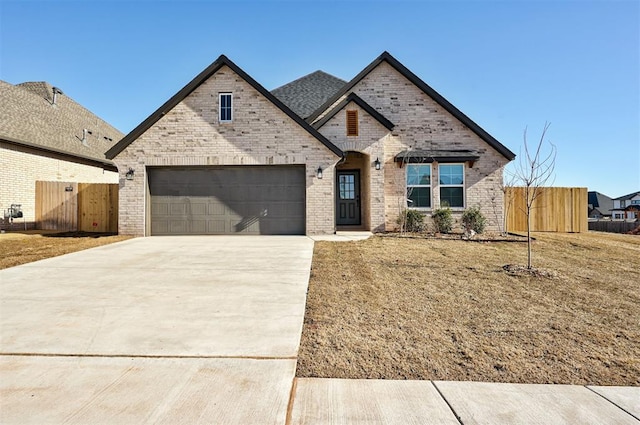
{"points": [[419, 185]]}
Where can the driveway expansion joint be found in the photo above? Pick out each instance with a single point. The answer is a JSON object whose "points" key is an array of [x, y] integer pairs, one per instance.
{"points": [[145, 356], [448, 404], [615, 404]]}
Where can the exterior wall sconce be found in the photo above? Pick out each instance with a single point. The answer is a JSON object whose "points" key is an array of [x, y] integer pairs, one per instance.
{"points": [[376, 164], [130, 173], [319, 173]]}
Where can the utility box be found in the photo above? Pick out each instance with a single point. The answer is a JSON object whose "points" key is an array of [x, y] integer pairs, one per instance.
{"points": [[15, 211]]}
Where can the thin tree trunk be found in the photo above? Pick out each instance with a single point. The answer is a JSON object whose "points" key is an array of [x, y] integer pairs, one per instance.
{"points": [[528, 237]]}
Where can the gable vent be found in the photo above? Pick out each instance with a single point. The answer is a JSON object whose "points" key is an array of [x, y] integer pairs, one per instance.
{"points": [[352, 123]]}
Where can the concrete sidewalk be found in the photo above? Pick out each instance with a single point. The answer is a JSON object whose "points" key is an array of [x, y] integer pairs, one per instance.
{"points": [[353, 401]]}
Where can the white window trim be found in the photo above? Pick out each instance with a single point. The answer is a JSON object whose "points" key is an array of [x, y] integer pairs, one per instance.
{"points": [[430, 186], [463, 185], [220, 106]]}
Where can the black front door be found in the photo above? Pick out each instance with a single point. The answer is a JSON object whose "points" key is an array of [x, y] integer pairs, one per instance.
{"points": [[348, 198]]}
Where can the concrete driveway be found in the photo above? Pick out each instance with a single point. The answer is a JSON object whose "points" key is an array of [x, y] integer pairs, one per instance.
{"points": [[163, 329]]}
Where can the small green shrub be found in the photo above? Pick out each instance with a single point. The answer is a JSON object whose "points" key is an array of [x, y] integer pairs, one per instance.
{"points": [[473, 219], [442, 220], [411, 220]]}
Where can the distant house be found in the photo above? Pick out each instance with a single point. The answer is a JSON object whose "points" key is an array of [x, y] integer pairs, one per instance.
{"points": [[45, 135], [600, 205], [626, 207]]}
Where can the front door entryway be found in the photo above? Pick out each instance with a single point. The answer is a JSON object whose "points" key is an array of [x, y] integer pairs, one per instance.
{"points": [[348, 198]]}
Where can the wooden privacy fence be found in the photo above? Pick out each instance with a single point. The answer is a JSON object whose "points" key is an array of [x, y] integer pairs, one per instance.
{"points": [[613, 226], [85, 207], [556, 209]]}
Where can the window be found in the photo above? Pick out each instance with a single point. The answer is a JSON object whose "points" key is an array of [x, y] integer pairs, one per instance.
{"points": [[635, 202], [419, 185], [352, 123], [451, 185], [225, 109], [347, 186]]}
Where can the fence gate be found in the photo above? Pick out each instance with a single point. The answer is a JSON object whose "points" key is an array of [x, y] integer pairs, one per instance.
{"points": [[56, 206], [68, 207]]}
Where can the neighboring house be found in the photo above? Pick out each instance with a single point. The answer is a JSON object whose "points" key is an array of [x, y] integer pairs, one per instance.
{"points": [[626, 207], [45, 135], [224, 155], [600, 205]]}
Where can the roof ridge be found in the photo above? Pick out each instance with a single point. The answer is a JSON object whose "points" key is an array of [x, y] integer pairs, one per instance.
{"points": [[196, 82], [318, 71], [428, 90], [25, 86], [31, 119]]}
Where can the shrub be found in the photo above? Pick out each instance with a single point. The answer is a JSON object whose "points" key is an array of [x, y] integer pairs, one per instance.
{"points": [[411, 221], [472, 219], [442, 220]]}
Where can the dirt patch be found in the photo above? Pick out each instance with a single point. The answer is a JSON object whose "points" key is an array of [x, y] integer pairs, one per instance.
{"points": [[25, 247], [520, 270], [403, 308]]}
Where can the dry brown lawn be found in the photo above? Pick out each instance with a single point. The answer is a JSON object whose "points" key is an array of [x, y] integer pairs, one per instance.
{"points": [[21, 248], [411, 308]]}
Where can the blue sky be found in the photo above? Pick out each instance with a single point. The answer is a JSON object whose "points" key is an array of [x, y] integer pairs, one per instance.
{"points": [[506, 64]]}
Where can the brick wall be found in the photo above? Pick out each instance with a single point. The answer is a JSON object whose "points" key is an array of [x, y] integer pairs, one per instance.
{"points": [[370, 141], [260, 134], [420, 123], [21, 167]]}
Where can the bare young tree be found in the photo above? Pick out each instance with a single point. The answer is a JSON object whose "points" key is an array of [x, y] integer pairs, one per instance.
{"points": [[534, 170]]}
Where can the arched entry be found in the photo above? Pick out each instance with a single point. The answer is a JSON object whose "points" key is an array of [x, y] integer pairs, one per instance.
{"points": [[352, 192]]}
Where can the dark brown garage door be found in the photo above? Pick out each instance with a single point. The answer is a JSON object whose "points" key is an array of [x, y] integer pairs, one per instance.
{"points": [[259, 200]]}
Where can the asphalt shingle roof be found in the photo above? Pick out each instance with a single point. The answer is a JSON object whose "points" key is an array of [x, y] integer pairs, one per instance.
{"points": [[601, 202], [308, 93], [626, 197], [29, 117]]}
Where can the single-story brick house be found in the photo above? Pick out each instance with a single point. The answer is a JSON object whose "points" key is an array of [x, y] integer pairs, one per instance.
{"points": [[320, 154], [46, 135]]}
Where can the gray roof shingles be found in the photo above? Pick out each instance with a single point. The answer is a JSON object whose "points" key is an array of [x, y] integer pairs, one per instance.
{"points": [[306, 94], [626, 197], [602, 202], [28, 117]]}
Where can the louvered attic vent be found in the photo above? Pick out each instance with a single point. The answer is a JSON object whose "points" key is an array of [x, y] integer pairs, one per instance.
{"points": [[352, 123]]}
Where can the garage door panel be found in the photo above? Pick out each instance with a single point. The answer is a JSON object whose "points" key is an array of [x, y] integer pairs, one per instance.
{"points": [[224, 200], [198, 227], [199, 208], [178, 227], [160, 208], [216, 227], [216, 209], [160, 227], [177, 209]]}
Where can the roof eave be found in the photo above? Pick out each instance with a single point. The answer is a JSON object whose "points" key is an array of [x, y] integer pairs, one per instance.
{"points": [[103, 164], [197, 82], [429, 157]]}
